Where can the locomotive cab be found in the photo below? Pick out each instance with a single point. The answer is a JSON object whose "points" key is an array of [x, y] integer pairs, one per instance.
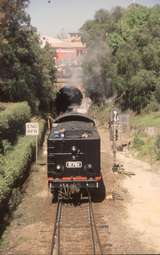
{"points": [[73, 154]]}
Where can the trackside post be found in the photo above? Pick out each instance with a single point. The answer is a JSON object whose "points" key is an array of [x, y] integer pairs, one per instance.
{"points": [[32, 129]]}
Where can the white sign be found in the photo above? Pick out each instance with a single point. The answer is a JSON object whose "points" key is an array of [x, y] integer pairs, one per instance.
{"points": [[32, 128]]}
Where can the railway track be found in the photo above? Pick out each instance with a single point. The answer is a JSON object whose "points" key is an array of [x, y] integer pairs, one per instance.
{"points": [[76, 232]]}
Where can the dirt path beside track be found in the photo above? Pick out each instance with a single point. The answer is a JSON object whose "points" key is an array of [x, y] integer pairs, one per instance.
{"points": [[143, 207], [125, 232]]}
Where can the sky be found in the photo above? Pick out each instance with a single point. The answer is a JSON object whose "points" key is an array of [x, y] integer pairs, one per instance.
{"points": [[51, 19]]}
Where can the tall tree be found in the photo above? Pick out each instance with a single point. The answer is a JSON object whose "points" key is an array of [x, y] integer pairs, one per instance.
{"points": [[25, 72], [131, 63]]}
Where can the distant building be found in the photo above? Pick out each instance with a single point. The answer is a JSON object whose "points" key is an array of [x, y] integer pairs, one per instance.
{"points": [[68, 50]]}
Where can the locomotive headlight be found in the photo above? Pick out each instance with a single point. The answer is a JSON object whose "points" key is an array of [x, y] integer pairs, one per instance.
{"points": [[89, 166], [74, 148], [58, 167]]}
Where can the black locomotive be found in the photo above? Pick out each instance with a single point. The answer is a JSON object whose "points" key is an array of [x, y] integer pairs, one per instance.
{"points": [[74, 155]]}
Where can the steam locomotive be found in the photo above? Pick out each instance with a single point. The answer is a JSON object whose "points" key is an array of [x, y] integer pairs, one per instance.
{"points": [[74, 157]]}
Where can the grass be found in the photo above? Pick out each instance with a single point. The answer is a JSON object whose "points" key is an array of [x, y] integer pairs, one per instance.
{"points": [[146, 147], [146, 120]]}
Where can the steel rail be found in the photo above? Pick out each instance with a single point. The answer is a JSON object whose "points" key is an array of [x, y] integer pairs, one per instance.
{"points": [[94, 228], [56, 229], [55, 243]]}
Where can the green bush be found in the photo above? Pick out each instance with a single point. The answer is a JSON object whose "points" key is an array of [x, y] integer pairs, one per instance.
{"points": [[5, 147], [137, 141], [145, 120], [4, 190], [13, 119], [153, 106], [16, 162], [157, 147]]}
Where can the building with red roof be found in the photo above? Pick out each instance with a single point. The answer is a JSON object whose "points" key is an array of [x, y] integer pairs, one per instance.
{"points": [[68, 50]]}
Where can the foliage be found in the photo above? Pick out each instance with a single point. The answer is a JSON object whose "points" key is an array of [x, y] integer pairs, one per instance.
{"points": [[146, 142], [145, 146], [13, 119], [145, 120], [146, 138], [157, 147], [124, 49], [16, 162], [152, 106], [139, 91], [137, 141], [5, 146], [27, 70]]}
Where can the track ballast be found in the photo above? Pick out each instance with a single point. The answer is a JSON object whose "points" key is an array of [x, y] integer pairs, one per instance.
{"points": [[77, 230]]}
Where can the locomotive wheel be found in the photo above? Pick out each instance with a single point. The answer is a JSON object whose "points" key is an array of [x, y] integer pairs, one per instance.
{"points": [[98, 195], [55, 196]]}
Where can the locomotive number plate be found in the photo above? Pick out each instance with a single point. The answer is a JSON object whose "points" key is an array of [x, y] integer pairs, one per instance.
{"points": [[73, 164]]}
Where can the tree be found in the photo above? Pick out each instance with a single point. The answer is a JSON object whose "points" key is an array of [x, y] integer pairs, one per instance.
{"points": [[131, 62], [139, 92], [27, 71]]}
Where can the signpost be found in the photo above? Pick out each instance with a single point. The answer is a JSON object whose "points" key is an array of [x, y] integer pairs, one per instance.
{"points": [[114, 126], [32, 129]]}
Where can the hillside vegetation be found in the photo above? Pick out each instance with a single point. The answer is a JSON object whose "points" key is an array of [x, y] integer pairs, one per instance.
{"points": [[123, 58]]}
